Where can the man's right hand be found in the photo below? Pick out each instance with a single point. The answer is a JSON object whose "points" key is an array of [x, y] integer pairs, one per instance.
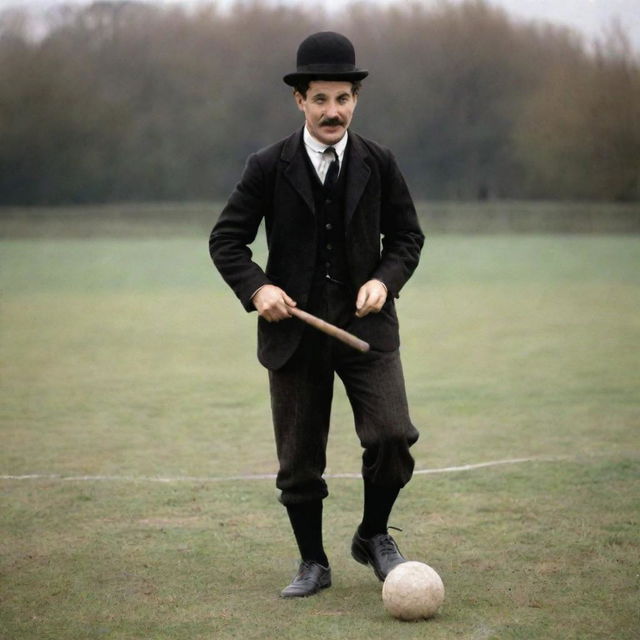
{"points": [[272, 302]]}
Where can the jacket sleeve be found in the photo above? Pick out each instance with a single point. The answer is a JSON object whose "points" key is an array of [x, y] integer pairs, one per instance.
{"points": [[236, 229], [402, 237]]}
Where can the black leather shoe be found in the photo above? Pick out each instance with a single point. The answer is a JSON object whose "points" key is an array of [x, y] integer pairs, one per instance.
{"points": [[380, 552], [311, 577]]}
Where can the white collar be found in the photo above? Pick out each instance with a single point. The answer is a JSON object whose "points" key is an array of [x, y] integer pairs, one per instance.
{"points": [[313, 144]]}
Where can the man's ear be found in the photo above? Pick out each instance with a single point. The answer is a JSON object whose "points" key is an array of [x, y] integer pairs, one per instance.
{"points": [[300, 100]]}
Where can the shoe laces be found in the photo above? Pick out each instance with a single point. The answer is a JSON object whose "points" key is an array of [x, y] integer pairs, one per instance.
{"points": [[305, 567], [387, 545]]}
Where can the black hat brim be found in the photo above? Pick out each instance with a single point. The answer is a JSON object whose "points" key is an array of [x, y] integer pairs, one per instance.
{"points": [[293, 79]]}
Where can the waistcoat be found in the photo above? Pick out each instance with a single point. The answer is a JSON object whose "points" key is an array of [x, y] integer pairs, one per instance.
{"points": [[331, 256]]}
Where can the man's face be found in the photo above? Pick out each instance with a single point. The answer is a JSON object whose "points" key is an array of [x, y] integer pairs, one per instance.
{"points": [[328, 109]]}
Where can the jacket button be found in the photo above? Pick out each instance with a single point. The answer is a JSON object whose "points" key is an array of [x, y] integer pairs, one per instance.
{"points": [[328, 226], [329, 247], [328, 201]]}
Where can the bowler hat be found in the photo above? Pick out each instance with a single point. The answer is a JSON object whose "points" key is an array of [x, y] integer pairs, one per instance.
{"points": [[326, 55]]}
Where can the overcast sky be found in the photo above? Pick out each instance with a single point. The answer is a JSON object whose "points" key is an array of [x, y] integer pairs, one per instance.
{"points": [[588, 16]]}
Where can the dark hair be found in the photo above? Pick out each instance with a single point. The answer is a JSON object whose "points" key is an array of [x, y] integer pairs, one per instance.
{"points": [[303, 86]]}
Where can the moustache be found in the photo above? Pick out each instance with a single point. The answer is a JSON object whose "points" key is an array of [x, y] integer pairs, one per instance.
{"points": [[331, 122]]}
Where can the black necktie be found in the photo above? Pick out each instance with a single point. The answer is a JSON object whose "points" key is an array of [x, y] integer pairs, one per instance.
{"points": [[333, 171]]}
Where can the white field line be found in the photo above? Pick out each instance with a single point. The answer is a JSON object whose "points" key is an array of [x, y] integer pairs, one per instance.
{"points": [[264, 476]]}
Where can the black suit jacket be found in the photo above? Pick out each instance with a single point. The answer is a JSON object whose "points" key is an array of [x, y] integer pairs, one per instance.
{"points": [[382, 234]]}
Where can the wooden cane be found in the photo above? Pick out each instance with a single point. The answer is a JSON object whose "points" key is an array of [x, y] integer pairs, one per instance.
{"points": [[330, 329]]}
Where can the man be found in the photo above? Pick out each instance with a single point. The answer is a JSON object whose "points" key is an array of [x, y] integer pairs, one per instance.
{"points": [[329, 198]]}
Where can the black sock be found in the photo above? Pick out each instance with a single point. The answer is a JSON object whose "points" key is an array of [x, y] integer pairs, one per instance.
{"points": [[378, 502], [306, 522]]}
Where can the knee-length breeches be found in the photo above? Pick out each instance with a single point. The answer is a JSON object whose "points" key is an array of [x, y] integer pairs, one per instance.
{"points": [[301, 396]]}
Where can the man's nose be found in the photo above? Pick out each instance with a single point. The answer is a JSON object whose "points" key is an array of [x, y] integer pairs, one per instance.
{"points": [[332, 109]]}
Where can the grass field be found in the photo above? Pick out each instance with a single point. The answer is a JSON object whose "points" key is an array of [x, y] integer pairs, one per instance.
{"points": [[127, 360]]}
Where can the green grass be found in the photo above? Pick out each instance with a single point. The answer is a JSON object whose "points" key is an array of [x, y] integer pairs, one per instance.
{"points": [[130, 358]]}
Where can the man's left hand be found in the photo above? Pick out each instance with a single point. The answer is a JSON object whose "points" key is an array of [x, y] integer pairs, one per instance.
{"points": [[371, 297]]}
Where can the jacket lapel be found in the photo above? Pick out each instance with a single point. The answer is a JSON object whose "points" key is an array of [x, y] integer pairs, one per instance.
{"points": [[357, 176], [296, 171]]}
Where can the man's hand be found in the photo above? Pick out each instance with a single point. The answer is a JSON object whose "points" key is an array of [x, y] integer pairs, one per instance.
{"points": [[271, 303], [371, 296]]}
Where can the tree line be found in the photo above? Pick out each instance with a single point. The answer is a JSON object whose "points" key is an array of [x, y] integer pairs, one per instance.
{"points": [[126, 101]]}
